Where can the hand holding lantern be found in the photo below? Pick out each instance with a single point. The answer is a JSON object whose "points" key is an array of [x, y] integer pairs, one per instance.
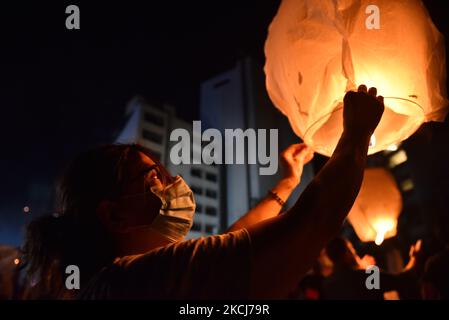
{"points": [[362, 111]]}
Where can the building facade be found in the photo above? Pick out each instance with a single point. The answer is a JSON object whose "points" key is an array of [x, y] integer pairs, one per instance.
{"points": [[237, 99]]}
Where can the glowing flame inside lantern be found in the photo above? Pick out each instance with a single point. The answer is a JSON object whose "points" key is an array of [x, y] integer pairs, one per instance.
{"points": [[382, 228], [318, 50], [379, 238]]}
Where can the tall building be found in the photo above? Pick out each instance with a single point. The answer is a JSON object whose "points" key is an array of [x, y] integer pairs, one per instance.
{"points": [[151, 126], [237, 99]]}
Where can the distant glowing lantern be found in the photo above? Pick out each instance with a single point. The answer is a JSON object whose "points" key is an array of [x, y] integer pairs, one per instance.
{"points": [[316, 51], [376, 210]]}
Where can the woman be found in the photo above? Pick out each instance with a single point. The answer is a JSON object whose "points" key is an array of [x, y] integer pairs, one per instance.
{"points": [[123, 218], [111, 198]]}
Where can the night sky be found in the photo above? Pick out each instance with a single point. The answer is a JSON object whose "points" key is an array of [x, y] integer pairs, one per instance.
{"points": [[62, 91]]}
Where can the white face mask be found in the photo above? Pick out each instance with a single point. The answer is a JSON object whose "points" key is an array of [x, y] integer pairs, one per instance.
{"points": [[175, 217]]}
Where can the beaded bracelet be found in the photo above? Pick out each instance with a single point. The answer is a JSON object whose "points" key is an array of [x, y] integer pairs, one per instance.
{"points": [[277, 198]]}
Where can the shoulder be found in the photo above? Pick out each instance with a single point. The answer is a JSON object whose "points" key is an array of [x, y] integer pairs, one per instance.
{"points": [[229, 243], [183, 269], [102, 284]]}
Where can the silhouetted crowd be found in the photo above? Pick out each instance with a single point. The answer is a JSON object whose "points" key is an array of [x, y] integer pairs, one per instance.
{"points": [[340, 274]]}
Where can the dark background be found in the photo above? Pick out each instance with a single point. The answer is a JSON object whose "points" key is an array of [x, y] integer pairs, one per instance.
{"points": [[62, 91]]}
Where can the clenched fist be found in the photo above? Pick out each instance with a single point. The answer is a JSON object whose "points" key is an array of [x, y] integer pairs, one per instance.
{"points": [[362, 111]]}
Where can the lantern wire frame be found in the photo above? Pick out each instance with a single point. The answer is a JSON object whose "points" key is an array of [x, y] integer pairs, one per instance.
{"points": [[323, 134]]}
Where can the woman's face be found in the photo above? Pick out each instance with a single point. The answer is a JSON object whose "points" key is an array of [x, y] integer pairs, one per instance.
{"points": [[138, 205]]}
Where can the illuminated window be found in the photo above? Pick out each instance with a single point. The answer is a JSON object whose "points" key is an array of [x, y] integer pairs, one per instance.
{"points": [[407, 185], [397, 158]]}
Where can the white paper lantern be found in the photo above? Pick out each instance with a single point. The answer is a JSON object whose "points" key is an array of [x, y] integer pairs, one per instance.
{"points": [[317, 50]]}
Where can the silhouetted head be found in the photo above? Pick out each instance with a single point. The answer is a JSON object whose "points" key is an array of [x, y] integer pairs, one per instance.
{"points": [[341, 252], [104, 199], [442, 227]]}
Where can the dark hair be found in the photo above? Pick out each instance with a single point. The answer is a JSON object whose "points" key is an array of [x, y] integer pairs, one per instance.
{"points": [[75, 235], [442, 227], [336, 249]]}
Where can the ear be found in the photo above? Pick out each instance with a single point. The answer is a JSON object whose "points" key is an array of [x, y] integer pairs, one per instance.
{"points": [[108, 214]]}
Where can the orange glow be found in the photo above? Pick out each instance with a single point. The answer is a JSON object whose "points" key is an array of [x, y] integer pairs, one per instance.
{"points": [[382, 227], [318, 50], [377, 207], [16, 261]]}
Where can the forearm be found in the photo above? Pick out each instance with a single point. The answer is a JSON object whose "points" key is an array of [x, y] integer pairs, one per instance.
{"points": [[267, 208], [290, 243], [320, 211], [410, 265], [330, 196]]}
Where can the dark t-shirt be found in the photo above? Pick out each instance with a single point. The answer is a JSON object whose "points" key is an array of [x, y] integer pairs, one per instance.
{"points": [[216, 267]]}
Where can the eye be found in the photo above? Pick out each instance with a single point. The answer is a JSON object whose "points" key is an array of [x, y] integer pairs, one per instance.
{"points": [[151, 175]]}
